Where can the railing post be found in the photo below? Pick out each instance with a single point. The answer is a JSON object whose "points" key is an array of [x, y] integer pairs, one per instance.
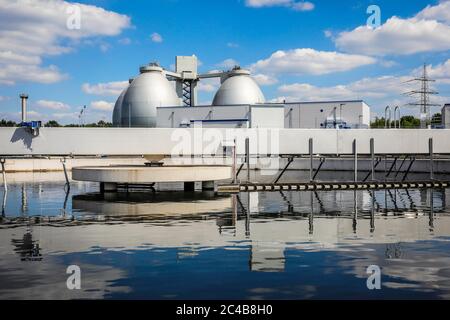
{"points": [[247, 157], [355, 161], [63, 161], [430, 147], [234, 156], [5, 184], [311, 160], [372, 156]]}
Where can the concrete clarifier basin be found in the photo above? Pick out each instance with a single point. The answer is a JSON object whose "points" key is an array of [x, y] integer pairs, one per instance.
{"points": [[54, 164], [110, 177]]}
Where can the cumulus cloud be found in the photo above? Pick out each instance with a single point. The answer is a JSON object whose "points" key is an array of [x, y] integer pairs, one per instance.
{"points": [[208, 85], [440, 12], [102, 105], [232, 45], [310, 61], [31, 30], [440, 72], [264, 80], [156, 37], [114, 88], [377, 91], [124, 41], [228, 64], [428, 31], [53, 105], [295, 5]]}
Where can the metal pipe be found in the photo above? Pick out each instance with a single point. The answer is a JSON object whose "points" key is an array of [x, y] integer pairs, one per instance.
{"points": [[311, 160], [247, 157], [5, 184], [234, 156], [372, 155], [372, 213], [24, 98], [355, 158], [397, 111], [387, 120], [63, 161], [430, 147]]}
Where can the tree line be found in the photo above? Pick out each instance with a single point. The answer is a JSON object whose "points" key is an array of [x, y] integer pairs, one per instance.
{"points": [[55, 124]]}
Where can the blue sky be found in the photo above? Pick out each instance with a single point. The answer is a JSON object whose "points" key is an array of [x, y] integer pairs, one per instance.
{"points": [[297, 50]]}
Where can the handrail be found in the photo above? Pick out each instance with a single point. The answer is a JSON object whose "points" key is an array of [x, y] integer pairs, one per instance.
{"points": [[397, 110], [386, 119]]}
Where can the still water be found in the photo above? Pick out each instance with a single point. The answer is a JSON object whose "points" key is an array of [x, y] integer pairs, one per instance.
{"points": [[176, 245]]}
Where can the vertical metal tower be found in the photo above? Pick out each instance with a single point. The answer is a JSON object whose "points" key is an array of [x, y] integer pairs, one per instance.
{"points": [[425, 91]]}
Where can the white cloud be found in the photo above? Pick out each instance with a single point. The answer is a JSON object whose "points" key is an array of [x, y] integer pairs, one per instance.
{"points": [[302, 6], [156, 37], [65, 116], [328, 33], [105, 89], [295, 5], [377, 91], [232, 45], [208, 85], [428, 31], [102, 105], [104, 47], [440, 12], [228, 64], [124, 41], [310, 61], [32, 30], [53, 105], [440, 73], [264, 80]]}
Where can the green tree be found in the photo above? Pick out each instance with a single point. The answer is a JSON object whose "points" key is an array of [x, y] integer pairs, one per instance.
{"points": [[7, 123], [52, 124]]}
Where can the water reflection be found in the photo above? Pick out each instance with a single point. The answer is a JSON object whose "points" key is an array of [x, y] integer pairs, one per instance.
{"points": [[203, 245]]}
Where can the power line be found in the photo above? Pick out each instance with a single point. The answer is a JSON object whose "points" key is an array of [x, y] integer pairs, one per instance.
{"points": [[425, 91]]}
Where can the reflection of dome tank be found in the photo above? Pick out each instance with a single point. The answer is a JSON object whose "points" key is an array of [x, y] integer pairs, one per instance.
{"points": [[117, 113], [238, 88], [148, 91]]}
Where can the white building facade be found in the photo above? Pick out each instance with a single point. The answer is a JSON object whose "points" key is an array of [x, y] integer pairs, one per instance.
{"points": [[301, 115]]}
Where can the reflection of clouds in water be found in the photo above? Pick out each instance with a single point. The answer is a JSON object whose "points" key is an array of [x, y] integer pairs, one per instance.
{"points": [[47, 280], [418, 270]]}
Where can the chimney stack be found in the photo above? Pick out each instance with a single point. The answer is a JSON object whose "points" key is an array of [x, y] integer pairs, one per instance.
{"points": [[24, 98]]}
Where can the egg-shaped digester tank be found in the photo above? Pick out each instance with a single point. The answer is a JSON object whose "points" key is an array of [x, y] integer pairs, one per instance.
{"points": [[117, 112], [238, 88], [147, 92]]}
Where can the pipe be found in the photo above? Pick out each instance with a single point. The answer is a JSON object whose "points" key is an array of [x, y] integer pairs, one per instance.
{"points": [[355, 161], [311, 159], [397, 110], [247, 157], [386, 119], [24, 98], [5, 184]]}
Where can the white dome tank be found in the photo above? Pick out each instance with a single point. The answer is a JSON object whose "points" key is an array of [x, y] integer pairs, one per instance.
{"points": [[117, 112], [147, 92], [238, 88]]}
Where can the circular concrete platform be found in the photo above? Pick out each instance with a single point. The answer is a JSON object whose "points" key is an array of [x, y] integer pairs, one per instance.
{"points": [[146, 174]]}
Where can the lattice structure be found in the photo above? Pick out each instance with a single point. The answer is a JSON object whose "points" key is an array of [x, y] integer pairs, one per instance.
{"points": [[424, 92]]}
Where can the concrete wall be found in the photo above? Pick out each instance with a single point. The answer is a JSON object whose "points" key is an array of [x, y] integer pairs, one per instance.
{"points": [[159, 141]]}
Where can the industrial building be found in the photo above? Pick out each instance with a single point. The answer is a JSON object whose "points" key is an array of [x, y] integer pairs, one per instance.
{"points": [[446, 116], [151, 100]]}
